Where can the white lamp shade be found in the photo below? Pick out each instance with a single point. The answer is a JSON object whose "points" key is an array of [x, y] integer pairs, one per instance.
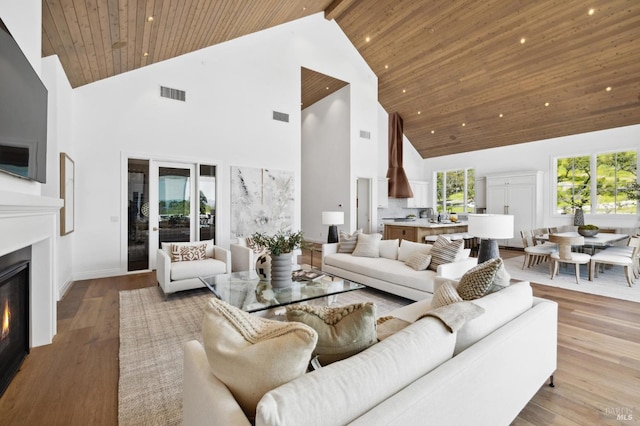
{"points": [[491, 226], [332, 218]]}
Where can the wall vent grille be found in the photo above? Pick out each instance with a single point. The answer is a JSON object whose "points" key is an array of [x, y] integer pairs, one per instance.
{"points": [[176, 94], [280, 116], [365, 134]]}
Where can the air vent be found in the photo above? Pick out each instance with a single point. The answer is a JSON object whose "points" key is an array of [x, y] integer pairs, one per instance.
{"points": [[364, 134], [280, 116], [178, 95]]}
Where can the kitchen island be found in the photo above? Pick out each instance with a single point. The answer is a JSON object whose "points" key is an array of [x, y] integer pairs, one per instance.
{"points": [[416, 230]]}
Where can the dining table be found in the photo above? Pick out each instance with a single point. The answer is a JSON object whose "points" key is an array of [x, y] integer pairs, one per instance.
{"points": [[600, 240]]}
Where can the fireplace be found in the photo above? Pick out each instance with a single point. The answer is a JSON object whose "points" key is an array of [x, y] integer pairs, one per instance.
{"points": [[14, 314]]}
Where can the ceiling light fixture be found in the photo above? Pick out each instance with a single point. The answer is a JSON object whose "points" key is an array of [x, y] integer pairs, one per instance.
{"points": [[327, 87], [433, 132], [546, 104], [523, 40], [591, 11], [608, 89], [150, 19], [145, 54], [386, 67], [404, 90], [419, 112], [501, 116], [368, 39], [464, 124]]}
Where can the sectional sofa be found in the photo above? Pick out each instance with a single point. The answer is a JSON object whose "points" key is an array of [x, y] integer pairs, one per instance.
{"points": [[483, 374]]}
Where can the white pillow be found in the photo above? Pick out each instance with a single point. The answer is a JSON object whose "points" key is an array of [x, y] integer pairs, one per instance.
{"points": [[252, 355], [368, 245], [408, 247], [389, 249]]}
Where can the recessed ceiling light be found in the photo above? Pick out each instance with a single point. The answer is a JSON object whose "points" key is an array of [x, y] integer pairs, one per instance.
{"points": [[368, 39], [523, 40], [419, 112], [433, 132], [591, 11], [150, 19], [327, 87], [546, 104], [404, 90], [145, 54], [464, 124], [386, 67], [608, 89], [501, 115]]}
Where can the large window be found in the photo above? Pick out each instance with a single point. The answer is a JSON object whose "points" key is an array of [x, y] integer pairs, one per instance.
{"points": [[455, 191], [597, 183]]}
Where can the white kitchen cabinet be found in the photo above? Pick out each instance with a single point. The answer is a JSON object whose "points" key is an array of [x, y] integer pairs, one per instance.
{"points": [[420, 195], [383, 193], [518, 194]]}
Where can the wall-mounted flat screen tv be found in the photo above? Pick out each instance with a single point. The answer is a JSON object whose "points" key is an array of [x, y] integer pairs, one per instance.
{"points": [[23, 113]]}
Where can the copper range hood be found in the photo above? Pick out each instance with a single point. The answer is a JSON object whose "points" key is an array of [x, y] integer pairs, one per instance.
{"points": [[399, 186]]}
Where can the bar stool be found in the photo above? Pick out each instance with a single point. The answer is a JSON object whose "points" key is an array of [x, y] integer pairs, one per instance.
{"points": [[565, 255]]}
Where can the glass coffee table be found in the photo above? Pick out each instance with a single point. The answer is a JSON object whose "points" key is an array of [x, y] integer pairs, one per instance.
{"points": [[247, 291]]}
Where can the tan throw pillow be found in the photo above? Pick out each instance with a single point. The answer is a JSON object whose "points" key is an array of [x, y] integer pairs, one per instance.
{"points": [[445, 295], [347, 242], [184, 253], [444, 251], [477, 281], [418, 261], [342, 331], [252, 355], [368, 245], [390, 325]]}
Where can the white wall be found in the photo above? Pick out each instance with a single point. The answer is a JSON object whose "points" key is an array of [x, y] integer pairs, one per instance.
{"points": [[232, 89], [326, 157], [59, 139], [539, 156]]}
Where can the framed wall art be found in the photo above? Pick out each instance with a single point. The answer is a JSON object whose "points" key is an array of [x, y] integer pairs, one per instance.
{"points": [[67, 193]]}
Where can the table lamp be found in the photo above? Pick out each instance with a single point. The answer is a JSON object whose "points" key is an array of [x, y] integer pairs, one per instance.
{"points": [[332, 219], [490, 228]]}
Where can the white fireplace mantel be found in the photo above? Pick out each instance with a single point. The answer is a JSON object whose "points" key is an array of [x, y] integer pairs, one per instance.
{"points": [[28, 220]]}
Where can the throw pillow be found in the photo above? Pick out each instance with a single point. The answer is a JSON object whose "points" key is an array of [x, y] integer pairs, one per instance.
{"points": [[477, 281], [389, 249], [184, 253], [444, 295], [501, 280], [408, 247], [342, 331], [368, 245], [252, 355], [455, 315], [418, 261], [444, 251], [347, 242], [389, 325]]}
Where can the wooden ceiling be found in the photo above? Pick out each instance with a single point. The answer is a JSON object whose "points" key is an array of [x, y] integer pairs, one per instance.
{"points": [[464, 75], [316, 86]]}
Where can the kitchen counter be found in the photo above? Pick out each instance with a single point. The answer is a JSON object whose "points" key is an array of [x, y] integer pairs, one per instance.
{"points": [[416, 230]]}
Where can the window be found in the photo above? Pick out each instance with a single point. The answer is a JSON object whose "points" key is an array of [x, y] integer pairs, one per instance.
{"points": [[597, 183], [455, 191]]}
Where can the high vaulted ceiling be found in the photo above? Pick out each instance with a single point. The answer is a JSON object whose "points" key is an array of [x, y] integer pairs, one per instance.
{"points": [[464, 75]]}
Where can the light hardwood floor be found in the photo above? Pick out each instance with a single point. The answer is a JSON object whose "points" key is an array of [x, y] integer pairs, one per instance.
{"points": [[74, 381]]}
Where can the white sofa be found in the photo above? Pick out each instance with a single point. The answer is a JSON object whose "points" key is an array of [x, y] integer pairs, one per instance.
{"points": [[389, 272], [179, 276], [482, 375]]}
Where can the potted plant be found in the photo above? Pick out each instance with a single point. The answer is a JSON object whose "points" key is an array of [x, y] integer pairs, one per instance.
{"points": [[280, 248], [588, 230]]}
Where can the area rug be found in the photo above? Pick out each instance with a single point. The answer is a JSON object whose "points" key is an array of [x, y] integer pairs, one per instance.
{"points": [[152, 332], [610, 283]]}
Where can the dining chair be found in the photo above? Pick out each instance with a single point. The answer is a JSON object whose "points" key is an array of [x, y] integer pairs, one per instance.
{"points": [[534, 254], [566, 255], [617, 256]]}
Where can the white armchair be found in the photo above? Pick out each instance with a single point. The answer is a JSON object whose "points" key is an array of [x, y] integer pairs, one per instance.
{"points": [[183, 275]]}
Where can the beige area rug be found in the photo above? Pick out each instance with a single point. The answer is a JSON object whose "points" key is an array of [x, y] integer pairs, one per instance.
{"points": [[610, 283], [152, 332]]}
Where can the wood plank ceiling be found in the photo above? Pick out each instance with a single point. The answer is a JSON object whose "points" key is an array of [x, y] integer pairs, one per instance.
{"points": [[464, 75]]}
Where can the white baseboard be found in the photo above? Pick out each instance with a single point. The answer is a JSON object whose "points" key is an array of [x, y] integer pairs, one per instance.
{"points": [[104, 273]]}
